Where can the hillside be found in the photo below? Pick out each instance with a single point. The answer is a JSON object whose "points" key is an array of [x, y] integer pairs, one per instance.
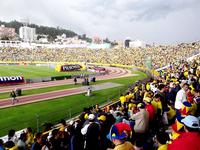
{"points": [[51, 31]]}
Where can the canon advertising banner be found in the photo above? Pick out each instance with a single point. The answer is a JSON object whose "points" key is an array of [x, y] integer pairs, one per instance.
{"points": [[11, 80]]}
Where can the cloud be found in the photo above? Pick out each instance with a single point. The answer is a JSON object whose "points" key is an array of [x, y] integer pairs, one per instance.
{"points": [[161, 9], [149, 20]]}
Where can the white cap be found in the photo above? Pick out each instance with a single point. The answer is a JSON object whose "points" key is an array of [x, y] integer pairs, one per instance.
{"points": [[71, 122], [91, 117], [191, 122], [66, 130], [112, 111], [49, 136], [171, 85]]}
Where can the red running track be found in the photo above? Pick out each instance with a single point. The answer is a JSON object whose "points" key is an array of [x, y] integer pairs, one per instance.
{"points": [[41, 97]]}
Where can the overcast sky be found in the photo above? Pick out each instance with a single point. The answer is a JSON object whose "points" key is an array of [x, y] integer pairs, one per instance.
{"points": [[159, 21]]}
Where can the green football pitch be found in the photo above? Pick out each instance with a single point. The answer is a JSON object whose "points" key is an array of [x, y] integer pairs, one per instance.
{"points": [[34, 71]]}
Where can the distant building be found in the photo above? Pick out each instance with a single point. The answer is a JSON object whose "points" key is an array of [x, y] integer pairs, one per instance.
{"points": [[97, 40], [71, 40], [126, 43], [136, 43], [27, 34], [83, 36], [7, 32], [43, 40]]}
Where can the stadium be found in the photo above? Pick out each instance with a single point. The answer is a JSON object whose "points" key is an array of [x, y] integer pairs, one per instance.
{"points": [[99, 75], [50, 101]]}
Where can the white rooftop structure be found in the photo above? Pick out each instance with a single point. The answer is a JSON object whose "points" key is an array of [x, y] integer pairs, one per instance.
{"points": [[27, 34], [136, 43]]}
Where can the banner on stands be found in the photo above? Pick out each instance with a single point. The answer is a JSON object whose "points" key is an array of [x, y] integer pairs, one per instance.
{"points": [[68, 67]]}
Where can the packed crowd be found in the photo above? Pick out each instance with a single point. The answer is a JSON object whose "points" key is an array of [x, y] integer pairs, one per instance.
{"points": [[161, 113], [160, 55]]}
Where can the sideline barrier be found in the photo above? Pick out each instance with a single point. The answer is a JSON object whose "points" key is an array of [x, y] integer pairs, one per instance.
{"points": [[69, 67], [60, 77]]}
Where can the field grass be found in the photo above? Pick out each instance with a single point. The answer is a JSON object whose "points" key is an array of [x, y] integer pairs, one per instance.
{"points": [[123, 80], [34, 71], [53, 110]]}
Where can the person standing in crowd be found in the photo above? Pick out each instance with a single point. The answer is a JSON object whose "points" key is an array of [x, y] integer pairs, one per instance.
{"points": [[141, 119], [13, 95], [12, 136], [161, 140], [63, 125], [54, 140], [89, 91], [91, 131], [21, 144], [30, 137], [197, 101], [190, 138], [1, 145], [181, 96], [149, 107], [76, 140], [39, 143], [162, 92], [87, 81]]}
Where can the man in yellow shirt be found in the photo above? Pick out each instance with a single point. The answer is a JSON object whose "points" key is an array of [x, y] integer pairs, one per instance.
{"points": [[161, 140], [157, 104], [122, 99]]}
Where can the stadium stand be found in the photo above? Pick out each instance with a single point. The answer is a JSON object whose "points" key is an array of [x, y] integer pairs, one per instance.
{"points": [[160, 113], [160, 55]]}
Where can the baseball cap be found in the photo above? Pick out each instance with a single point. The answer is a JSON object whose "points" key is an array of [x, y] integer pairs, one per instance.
{"points": [[147, 99], [86, 116], [191, 122], [114, 134], [102, 118], [121, 126], [91, 117], [141, 105], [71, 122]]}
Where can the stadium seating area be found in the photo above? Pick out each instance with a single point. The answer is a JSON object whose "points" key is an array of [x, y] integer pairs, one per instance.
{"points": [[160, 55], [161, 113]]}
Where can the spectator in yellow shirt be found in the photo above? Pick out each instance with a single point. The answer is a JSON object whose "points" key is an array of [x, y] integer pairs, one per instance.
{"points": [[122, 99], [161, 140]]}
